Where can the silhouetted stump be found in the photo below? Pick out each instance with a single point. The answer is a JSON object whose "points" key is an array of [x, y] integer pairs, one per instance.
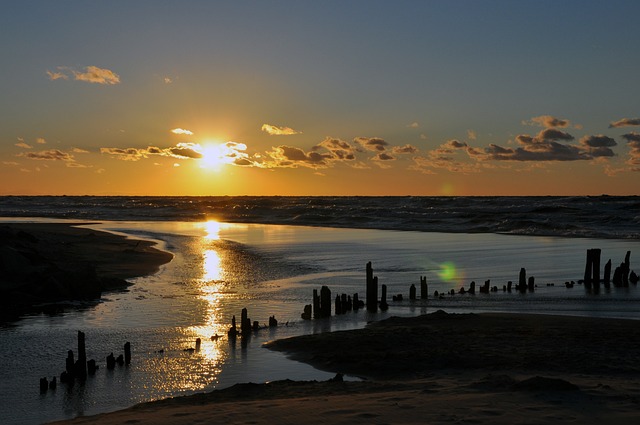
{"points": [[53, 384], [316, 305], [509, 284], [111, 362], [44, 385], [338, 305], [625, 269], [633, 278], [472, 287], [127, 353], [532, 284], [357, 302], [383, 299], [607, 275], [245, 323], [198, 344], [325, 301], [256, 325], [273, 322], [412, 292], [372, 289], [91, 367], [522, 280], [233, 330], [484, 289], [70, 363], [306, 314], [424, 288]]}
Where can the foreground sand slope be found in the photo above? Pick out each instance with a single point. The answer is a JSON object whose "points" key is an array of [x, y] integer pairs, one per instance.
{"points": [[437, 369]]}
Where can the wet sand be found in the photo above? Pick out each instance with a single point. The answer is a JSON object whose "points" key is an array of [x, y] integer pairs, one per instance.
{"points": [[50, 262], [439, 369]]}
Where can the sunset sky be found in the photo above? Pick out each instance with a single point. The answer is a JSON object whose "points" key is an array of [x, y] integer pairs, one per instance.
{"points": [[320, 97]]}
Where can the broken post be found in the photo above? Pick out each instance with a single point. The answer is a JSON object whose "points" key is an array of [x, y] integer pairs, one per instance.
{"points": [[127, 353], [522, 281], [424, 288], [81, 371], [316, 305], [412, 292], [372, 289], [383, 299], [325, 301]]}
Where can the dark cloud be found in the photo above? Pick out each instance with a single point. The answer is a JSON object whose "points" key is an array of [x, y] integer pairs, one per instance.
{"points": [[375, 144], [340, 149], [548, 121], [625, 122], [633, 141], [406, 149], [290, 156], [598, 146], [383, 156], [48, 155], [184, 152], [553, 134]]}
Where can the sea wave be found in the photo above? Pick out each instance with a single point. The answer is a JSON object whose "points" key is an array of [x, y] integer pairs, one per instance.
{"points": [[597, 217]]}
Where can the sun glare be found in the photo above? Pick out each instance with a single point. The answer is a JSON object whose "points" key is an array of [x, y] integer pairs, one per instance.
{"points": [[214, 156]]}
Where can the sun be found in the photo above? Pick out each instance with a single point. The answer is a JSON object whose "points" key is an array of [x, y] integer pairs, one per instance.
{"points": [[213, 156]]}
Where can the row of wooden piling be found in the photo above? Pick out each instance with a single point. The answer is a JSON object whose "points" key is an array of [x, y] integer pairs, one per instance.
{"points": [[78, 370], [247, 326], [321, 306]]}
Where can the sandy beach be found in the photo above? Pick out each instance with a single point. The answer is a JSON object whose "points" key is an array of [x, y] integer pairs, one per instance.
{"points": [[49, 262], [439, 369], [436, 368]]}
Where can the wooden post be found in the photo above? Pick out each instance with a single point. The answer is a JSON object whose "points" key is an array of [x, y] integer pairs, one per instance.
{"points": [[472, 287], [338, 305], [532, 284], [522, 281], [82, 357], [91, 367], [383, 299], [245, 323], [111, 361], [412, 292], [356, 302], [198, 344], [316, 305], [306, 314], [44, 385], [595, 267], [70, 365], [607, 274], [127, 353], [424, 288], [509, 284], [372, 289], [625, 270], [587, 270], [325, 301]]}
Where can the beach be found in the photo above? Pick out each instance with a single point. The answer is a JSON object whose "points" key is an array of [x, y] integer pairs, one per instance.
{"points": [[411, 364], [439, 369], [48, 262]]}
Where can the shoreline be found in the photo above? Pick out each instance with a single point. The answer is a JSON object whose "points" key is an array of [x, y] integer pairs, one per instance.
{"points": [[45, 263], [438, 368]]}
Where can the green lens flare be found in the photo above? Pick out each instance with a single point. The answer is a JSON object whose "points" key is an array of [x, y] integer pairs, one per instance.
{"points": [[447, 271]]}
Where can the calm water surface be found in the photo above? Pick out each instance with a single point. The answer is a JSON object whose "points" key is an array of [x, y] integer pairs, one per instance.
{"points": [[272, 270]]}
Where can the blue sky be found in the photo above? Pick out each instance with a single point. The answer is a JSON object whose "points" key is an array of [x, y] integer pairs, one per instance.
{"points": [[421, 74]]}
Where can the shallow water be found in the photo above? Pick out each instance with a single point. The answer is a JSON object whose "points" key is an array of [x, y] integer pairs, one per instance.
{"points": [[272, 270]]}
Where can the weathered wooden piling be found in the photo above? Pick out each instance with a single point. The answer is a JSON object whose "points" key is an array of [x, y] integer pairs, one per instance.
{"points": [[306, 314], [53, 384], [233, 330], [484, 289], [522, 280], [383, 299], [372, 289], [607, 275], [509, 284], [70, 363], [44, 385], [120, 360], [198, 344], [424, 288], [91, 367], [625, 269], [111, 361], [532, 284], [273, 322], [592, 269], [412, 292], [338, 308], [356, 302], [472, 287], [127, 353], [245, 323], [316, 304], [81, 364], [325, 301]]}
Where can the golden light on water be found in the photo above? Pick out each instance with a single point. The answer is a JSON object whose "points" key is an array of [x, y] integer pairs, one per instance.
{"points": [[211, 266]]}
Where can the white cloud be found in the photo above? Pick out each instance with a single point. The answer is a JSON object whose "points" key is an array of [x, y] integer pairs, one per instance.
{"points": [[274, 130], [182, 131]]}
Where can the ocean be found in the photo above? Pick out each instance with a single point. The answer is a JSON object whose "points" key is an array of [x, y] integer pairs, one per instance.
{"points": [[267, 254]]}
